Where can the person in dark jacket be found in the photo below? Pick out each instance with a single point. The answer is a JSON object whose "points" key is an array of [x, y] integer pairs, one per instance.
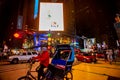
{"points": [[43, 58]]}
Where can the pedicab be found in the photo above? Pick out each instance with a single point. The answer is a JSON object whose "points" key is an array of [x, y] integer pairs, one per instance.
{"points": [[61, 63]]}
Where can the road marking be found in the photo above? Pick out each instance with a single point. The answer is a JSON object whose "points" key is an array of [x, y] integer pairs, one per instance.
{"points": [[102, 66], [91, 72]]}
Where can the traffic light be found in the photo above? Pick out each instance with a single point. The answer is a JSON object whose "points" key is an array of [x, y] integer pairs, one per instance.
{"points": [[17, 35], [49, 34], [49, 40], [49, 47]]}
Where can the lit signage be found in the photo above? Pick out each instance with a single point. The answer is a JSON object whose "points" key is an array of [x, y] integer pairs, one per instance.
{"points": [[51, 17], [36, 8]]}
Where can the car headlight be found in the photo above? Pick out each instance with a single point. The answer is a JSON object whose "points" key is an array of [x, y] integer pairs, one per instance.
{"points": [[86, 58], [10, 57], [92, 54]]}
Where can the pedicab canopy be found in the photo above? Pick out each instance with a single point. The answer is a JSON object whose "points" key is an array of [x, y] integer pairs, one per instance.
{"points": [[64, 54]]}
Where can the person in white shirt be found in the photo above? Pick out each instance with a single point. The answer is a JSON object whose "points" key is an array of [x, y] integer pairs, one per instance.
{"points": [[109, 53]]}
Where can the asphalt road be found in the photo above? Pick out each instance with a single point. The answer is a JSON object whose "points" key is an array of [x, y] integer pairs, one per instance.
{"points": [[80, 70]]}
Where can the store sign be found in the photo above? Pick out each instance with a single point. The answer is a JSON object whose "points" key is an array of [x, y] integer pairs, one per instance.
{"points": [[89, 42], [36, 8]]}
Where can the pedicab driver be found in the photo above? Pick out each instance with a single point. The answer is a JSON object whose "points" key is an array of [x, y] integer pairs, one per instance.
{"points": [[43, 58]]}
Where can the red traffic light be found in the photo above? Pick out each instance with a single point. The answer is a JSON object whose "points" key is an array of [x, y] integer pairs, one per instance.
{"points": [[49, 47], [17, 35]]}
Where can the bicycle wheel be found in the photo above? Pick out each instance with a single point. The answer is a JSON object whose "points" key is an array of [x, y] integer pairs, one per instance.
{"points": [[24, 78], [48, 75], [68, 75]]}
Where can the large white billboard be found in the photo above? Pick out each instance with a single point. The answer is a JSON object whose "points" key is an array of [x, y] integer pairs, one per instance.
{"points": [[51, 17]]}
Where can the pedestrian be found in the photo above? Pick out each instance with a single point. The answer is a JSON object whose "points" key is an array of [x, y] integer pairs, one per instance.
{"points": [[116, 51], [43, 58], [109, 55]]}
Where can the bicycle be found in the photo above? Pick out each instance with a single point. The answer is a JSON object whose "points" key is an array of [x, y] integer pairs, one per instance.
{"points": [[28, 75], [49, 74]]}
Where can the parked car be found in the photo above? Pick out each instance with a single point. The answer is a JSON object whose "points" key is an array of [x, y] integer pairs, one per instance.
{"points": [[100, 55], [77, 51], [22, 57], [86, 57]]}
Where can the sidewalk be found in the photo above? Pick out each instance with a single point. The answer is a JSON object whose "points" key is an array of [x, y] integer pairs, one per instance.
{"points": [[96, 71]]}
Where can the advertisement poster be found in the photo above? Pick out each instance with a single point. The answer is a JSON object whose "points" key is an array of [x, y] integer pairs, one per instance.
{"points": [[51, 17], [89, 42]]}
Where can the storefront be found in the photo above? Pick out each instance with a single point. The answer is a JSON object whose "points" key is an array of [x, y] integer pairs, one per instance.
{"points": [[50, 41]]}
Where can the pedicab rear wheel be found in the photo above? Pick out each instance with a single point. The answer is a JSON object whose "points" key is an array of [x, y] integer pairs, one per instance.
{"points": [[68, 75]]}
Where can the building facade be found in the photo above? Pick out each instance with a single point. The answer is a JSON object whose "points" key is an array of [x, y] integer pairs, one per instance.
{"points": [[94, 19], [28, 20]]}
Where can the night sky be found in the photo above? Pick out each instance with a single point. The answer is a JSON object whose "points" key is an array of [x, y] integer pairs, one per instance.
{"points": [[95, 19], [8, 8]]}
